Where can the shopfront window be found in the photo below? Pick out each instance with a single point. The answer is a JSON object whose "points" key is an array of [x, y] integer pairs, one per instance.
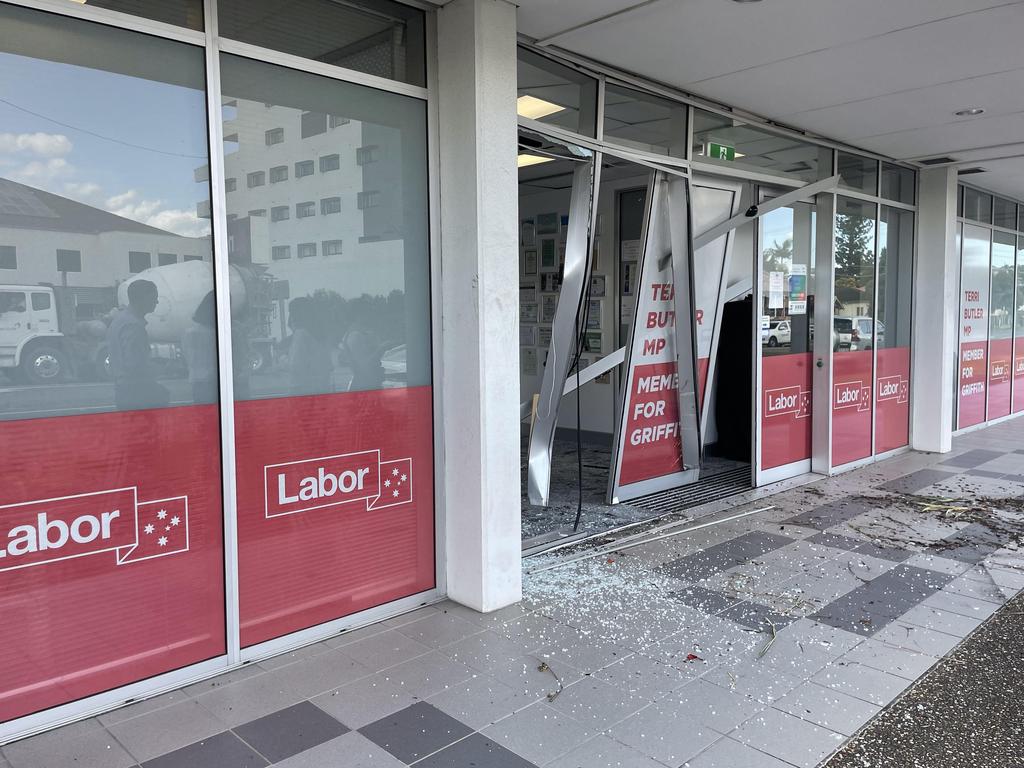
{"points": [[729, 142], [853, 325], [1004, 213], [858, 173], [643, 121], [899, 184], [890, 334], [556, 94], [182, 13], [377, 37], [1018, 332], [1001, 315], [331, 353], [977, 206], [974, 321], [787, 333], [111, 562]]}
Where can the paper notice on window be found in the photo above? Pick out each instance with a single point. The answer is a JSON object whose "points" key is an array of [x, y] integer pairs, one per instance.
{"points": [[776, 281]]}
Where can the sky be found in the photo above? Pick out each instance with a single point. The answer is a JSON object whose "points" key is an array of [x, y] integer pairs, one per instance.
{"points": [[124, 144]]}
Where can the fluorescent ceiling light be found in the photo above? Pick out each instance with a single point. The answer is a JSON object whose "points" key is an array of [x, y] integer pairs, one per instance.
{"points": [[969, 112], [525, 161], [534, 108]]}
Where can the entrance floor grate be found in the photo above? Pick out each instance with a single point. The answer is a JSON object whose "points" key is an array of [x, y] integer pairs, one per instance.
{"points": [[715, 488]]}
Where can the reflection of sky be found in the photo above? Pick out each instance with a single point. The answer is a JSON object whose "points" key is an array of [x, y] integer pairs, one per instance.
{"points": [[778, 226], [165, 122]]}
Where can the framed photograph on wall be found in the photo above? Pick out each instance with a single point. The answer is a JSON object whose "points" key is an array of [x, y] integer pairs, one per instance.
{"points": [[527, 233], [530, 262], [598, 285], [592, 342], [548, 255], [547, 223], [528, 312], [528, 361], [543, 337], [594, 314], [548, 303], [550, 283], [527, 291], [563, 231], [527, 335]]}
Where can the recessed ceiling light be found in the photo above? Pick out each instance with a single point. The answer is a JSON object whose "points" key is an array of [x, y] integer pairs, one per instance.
{"points": [[534, 108], [525, 161], [970, 112]]}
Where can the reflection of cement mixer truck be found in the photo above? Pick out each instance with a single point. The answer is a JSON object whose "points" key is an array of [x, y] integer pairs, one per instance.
{"points": [[50, 334]]}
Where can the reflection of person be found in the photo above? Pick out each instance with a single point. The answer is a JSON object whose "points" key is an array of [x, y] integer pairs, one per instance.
{"points": [[135, 386], [309, 356], [199, 346], [364, 357]]}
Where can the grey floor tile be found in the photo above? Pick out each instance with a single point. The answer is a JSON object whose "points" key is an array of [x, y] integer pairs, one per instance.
{"points": [[828, 708], [938, 563], [663, 732], [322, 672], [927, 641], [871, 685], [596, 704], [355, 635], [884, 552], [728, 753], [707, 600], [353, 750], [756, 616], [284, 659], [364, 701], [753, 679], [224, 680], [83, 745], [713, 706], [479, 701], [788, 738], [249, 698], [439, 628], [167, 729], [901, 662], [976, 590], [280, 735], [830, 514], [225, 750], [385, 650], [943, 621], [721, 557], [965, 606], [428, 674], [643, 676], [409, 616], [142, 707], [972, 458], [415, 732], [475, 750], [915, 481], [539, 733], [583, 651], [602, 752], [836, 541]]}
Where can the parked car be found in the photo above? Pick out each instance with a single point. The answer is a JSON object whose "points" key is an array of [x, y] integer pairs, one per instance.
{"points": [[778, 332], [863, 333], [842, 334]]}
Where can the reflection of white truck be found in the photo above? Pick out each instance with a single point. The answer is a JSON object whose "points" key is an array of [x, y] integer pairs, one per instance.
{"points": [[50, 334]]}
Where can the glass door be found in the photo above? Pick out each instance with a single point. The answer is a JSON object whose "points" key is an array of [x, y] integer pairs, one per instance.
{"points": [[786, 258]]}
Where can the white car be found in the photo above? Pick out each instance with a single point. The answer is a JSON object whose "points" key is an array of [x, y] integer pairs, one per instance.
{"points": [[863, 333], [778, 332]]}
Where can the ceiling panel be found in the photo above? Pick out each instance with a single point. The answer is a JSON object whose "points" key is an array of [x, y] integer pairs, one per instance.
{"points": [[926, 55], [998, 94], [684, 41], [947, 139]]}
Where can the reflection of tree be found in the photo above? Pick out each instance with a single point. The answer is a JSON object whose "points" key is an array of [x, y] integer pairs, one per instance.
{"points": [[854, 253], [778, 257], [1002, 298], [336, 316]]}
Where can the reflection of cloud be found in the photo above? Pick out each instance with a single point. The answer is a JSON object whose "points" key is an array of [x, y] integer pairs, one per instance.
{"points": [[82, 190], [180, 222], [42, 172], [44, 144]]}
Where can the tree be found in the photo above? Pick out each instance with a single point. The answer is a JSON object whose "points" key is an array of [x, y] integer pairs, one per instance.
{"points": [[855, 245]]}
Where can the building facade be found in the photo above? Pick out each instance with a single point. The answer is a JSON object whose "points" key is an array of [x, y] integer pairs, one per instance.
{"points": [[289, 296]]}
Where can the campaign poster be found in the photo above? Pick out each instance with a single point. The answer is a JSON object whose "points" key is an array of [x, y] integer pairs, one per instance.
{"points": [[851, 406], [892, 399], [111, 552], [974, 301], [785, 409], [1000, 378], [1018, 375], [335, 506]]}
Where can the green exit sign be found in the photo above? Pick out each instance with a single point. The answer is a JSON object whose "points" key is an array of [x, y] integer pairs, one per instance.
{"points": [[721, 152]]}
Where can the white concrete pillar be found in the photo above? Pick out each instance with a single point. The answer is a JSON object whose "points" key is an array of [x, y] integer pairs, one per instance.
{"points": [[936, 283], [480, 300]]}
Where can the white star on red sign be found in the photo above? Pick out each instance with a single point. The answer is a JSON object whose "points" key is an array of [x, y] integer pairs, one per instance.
{"points": [[162, 541], [149, 528], [175, 520], [161, 514], [387, 483], [404, 478], [395, 472], [395, 494]]}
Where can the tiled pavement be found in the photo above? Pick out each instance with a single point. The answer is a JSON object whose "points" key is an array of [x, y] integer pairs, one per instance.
{"points": [[656, 656]]}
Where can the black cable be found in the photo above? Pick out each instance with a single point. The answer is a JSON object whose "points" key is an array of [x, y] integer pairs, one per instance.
{"points": [[581, 341]]}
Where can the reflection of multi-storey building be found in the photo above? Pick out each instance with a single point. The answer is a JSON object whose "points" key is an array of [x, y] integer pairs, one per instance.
{"points": [[53, 240], [310, 193]]}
